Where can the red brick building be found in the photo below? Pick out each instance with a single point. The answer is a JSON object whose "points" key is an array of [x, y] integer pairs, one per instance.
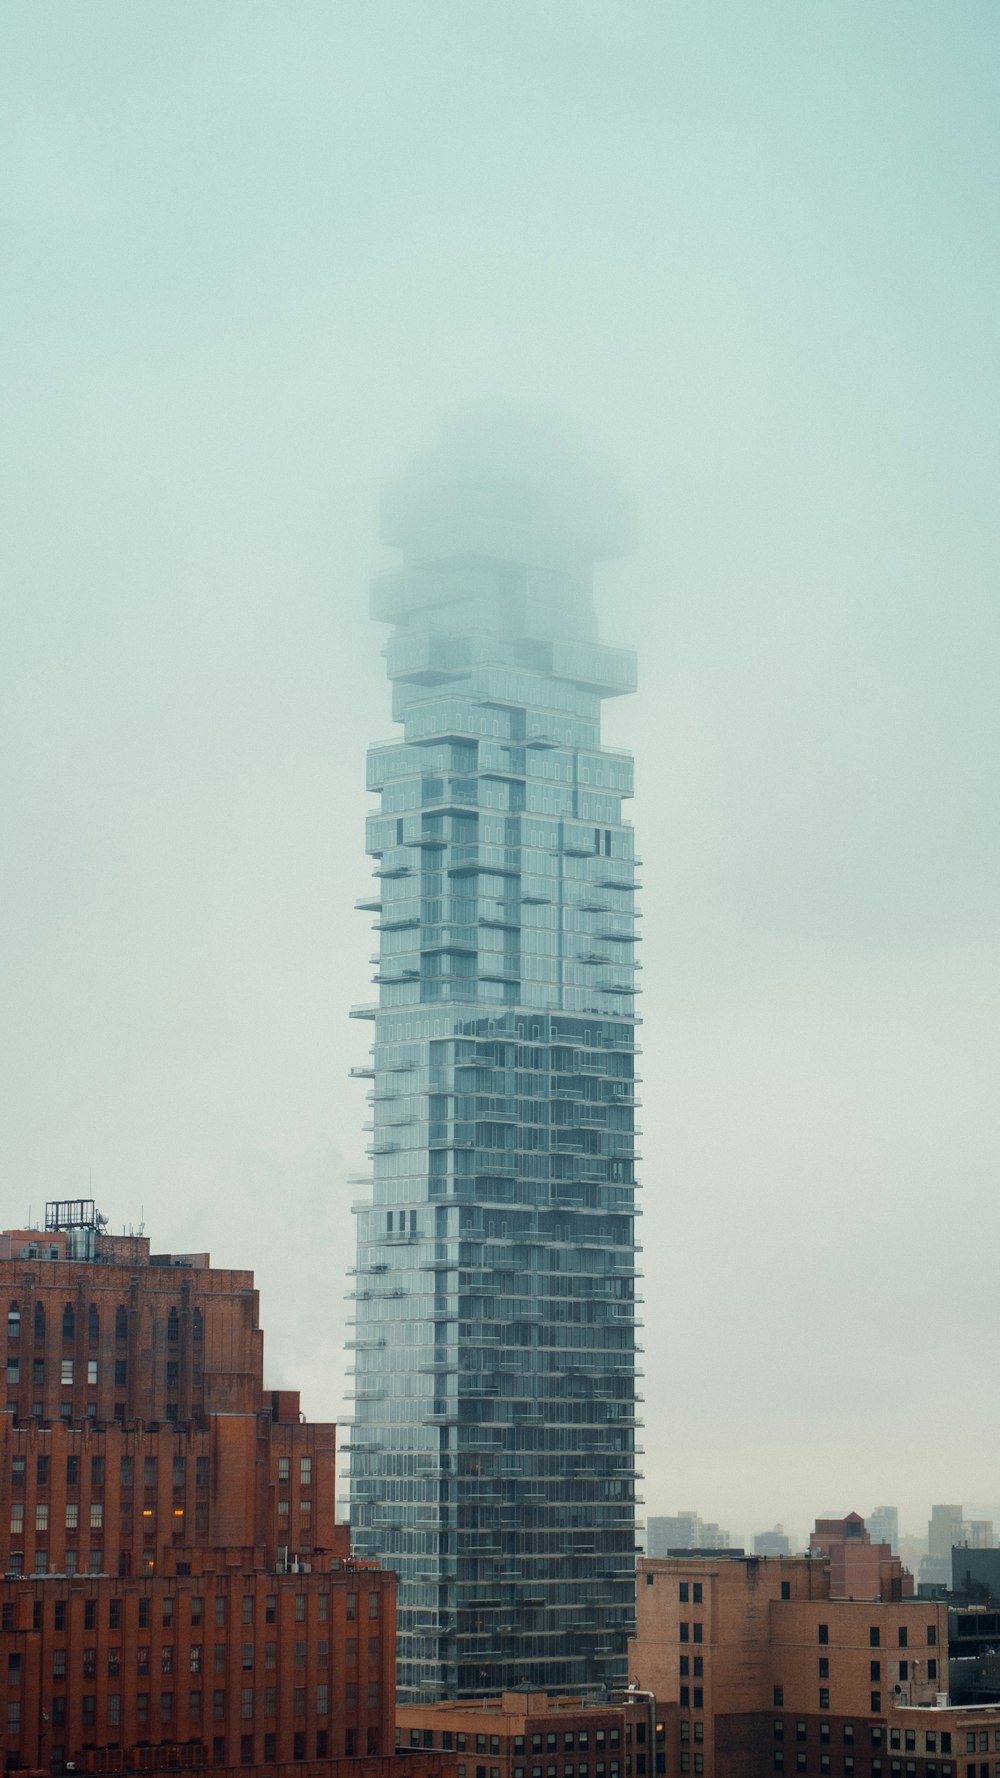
{"points": [[757, 1669], [859, 1569], [527, 1734], [176, 1589]]}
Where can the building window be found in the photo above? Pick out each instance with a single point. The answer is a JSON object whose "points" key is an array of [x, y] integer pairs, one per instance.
{"points": [[874, 1636], [66, 1372], [685, 1632], [824, 1633], [931, 1635], [875, 1703], [683, 1591], [824, 1667], [305, 1471], [284, 1468], [786, 1589], [824, 1697], [246, 1702], [68, 1322], [903, 1634]]}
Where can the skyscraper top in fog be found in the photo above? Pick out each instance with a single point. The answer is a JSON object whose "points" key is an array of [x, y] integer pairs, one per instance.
{"points": [[509, 487], [493, 1451]]}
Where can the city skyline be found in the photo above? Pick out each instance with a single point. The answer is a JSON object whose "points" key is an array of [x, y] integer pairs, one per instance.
{"points": [[254, 259]]}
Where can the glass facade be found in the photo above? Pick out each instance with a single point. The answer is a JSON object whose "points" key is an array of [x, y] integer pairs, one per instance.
{"points": [[493, 1444]]}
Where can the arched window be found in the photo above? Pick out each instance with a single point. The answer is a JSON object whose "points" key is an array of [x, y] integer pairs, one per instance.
{"points": [[68, 1322], [121, 1322], [173, 1325], [196, 1329], [13, 1322], [93, 1324], [39, 1321]]}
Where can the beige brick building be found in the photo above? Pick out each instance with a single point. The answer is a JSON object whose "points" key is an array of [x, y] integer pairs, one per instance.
{"points": [[757, 1669]]}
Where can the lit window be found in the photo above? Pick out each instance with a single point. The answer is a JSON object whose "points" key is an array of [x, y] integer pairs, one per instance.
{"points": [[66, 1371]]}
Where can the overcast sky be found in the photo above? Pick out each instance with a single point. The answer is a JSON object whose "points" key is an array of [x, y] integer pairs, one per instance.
{"points": [[251, 255]]}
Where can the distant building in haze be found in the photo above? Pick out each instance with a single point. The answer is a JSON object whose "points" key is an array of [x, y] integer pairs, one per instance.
{"points": [[944, 1531], [683, 1531], [771, 1543], [883, 1526]]}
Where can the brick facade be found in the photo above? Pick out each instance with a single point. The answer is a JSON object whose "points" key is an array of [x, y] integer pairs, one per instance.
{"points": [[756, 1669], [530, 1735], [176, 1588]]}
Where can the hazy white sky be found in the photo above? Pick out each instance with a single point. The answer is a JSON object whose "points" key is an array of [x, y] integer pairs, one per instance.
{"points": [[250, 255]]}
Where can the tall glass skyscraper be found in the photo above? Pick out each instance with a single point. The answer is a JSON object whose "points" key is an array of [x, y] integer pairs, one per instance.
{"points": [[493, 1448]]}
